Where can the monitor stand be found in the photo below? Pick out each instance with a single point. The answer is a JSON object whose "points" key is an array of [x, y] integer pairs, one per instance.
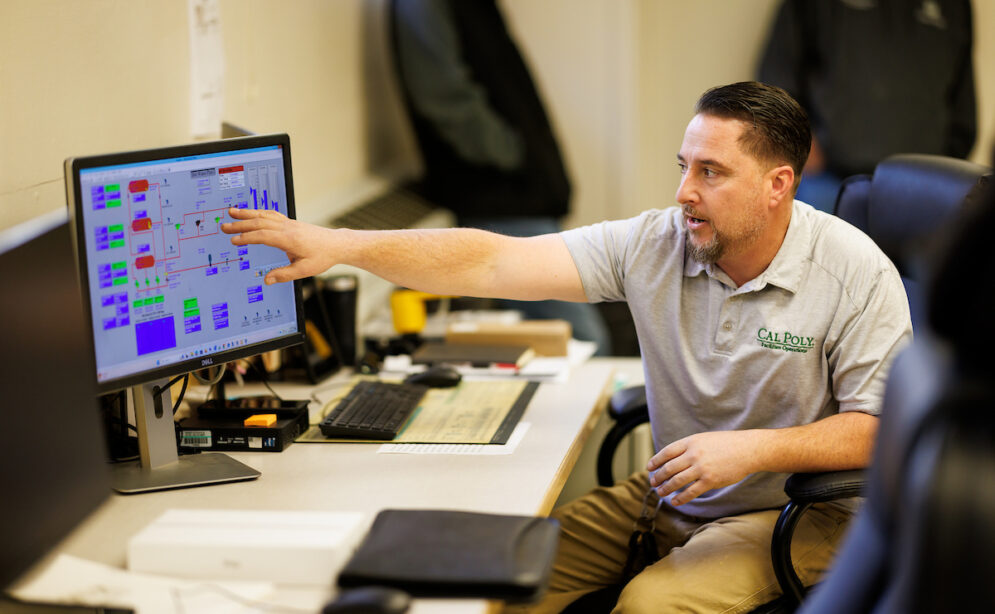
{"points": [[159, 466]]}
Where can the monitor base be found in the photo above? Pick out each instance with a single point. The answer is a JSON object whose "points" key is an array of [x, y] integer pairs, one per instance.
{"points": [[186, 472]]}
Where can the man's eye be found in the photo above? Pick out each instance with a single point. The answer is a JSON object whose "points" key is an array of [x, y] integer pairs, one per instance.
{"points": [[709, 173], [683, 167]]}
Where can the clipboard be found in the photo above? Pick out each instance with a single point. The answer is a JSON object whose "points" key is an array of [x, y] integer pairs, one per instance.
{"points": [[445, 553], [474, 412]]}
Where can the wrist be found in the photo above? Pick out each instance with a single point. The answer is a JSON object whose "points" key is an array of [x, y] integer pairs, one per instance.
{"points": [[763, 446]]}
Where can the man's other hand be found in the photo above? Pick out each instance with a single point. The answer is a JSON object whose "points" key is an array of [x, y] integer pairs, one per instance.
{"points": [[702, 462]]}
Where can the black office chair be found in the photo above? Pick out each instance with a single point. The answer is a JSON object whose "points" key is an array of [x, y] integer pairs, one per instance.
{"points": [[924, 540], [901, 206]]}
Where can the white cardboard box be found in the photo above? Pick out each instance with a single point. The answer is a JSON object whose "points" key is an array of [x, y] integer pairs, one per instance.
{"points": [[287, 547]]}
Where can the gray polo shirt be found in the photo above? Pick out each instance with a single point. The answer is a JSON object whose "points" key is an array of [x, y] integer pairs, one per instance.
{"points": [[813, 335]]}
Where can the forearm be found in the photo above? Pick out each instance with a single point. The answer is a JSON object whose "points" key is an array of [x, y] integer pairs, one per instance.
{"points": [[465, 262], [461, 261], [838, 442]]}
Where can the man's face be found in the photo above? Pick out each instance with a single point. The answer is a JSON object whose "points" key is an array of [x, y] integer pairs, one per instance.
{"points": [[721, 191]]}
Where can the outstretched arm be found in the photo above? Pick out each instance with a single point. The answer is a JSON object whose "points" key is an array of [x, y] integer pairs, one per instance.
{"points": [[461, 261]]}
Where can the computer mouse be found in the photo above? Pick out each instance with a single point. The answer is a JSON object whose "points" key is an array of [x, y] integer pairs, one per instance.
{"points": [[436, 376], [369, 600]]}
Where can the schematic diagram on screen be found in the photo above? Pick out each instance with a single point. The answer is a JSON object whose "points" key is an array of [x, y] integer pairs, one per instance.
{"points": [[167, 272]]}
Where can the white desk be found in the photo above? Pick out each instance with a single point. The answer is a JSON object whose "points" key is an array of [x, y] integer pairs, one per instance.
{"points": [[353, 477]]}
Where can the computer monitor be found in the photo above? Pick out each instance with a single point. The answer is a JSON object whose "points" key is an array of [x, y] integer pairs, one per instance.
{"points": [[53, 470], [166, 292]]}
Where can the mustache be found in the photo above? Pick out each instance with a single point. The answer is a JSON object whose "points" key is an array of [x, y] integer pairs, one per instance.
{"points": [[691, 212]]}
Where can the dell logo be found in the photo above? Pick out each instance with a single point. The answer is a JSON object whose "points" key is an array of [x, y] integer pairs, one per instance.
{"points": [[207, 361]]}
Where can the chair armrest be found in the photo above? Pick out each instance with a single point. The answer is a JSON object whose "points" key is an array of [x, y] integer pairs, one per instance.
{"points": [[827, 486], [627, 402], [805, 489], [627, 409]]}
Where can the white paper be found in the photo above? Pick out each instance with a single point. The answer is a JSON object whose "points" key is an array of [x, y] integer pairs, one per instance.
{"points": [[71, 580], [459, 448]]}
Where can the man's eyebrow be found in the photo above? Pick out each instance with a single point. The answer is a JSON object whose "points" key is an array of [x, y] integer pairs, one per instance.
{"points": [[715, 164], [706, 162]]}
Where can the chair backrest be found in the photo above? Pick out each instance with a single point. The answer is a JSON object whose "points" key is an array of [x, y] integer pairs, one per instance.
{"points": [[924, 541], [904, 204], [906, 200]]}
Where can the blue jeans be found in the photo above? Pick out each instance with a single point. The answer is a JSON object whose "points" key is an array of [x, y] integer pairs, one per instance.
{"points": [[584, 318]]}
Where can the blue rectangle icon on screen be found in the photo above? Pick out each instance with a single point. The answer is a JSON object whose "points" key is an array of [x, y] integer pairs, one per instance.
{"points": [[155, 335]]}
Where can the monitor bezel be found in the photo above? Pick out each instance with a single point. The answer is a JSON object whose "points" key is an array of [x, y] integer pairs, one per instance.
{"points": [[74, 202]]}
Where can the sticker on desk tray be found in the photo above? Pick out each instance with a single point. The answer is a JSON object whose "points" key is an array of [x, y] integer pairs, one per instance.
{"points": [[195, 439]]}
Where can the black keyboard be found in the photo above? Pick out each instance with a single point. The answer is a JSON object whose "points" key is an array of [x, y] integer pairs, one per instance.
{"points": [[373, 410]]}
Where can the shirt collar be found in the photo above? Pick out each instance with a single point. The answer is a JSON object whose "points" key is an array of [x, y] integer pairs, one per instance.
{"points": [[784, 270]]}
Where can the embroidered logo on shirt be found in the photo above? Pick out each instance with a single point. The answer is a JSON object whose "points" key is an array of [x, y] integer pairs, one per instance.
{"points": [[784, 340]]}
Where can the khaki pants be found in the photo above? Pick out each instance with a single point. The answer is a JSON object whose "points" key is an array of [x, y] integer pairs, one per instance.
{"points": [[720, 565]]}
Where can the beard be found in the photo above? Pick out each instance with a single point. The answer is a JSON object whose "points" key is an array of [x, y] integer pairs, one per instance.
{"points": [[709, 253], [744, 233]]}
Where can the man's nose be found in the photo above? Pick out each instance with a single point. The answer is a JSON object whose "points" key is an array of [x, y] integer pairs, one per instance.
{"points": [[687, 191]]}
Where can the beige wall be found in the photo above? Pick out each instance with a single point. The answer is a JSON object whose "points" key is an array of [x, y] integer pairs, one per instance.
{"points": [[98, 76], [620, 77], [78, 78], [984, 75]]}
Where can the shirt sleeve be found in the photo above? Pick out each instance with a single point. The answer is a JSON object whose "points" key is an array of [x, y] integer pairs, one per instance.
{"points": [[878, 329], [442, 88], [604, 252]]}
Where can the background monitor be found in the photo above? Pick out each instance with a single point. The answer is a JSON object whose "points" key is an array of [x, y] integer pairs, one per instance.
{"points": [[166, 292], [53, 468], [231, 131]]}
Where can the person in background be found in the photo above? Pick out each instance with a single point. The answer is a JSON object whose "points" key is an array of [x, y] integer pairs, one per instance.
{"points": [[767, 331], [486, 143], [877, 77]]}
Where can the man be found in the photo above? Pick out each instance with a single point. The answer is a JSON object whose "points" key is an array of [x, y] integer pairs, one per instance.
{"points": [[766, 327], [877, 77]]}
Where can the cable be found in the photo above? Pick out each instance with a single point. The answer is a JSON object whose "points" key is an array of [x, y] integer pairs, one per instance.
{"points": [[214, 380], [335, 386], [183, 391], [265, 380]]}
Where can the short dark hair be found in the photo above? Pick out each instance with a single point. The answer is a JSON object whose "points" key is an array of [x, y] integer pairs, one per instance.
{"points": [[780, 130]]}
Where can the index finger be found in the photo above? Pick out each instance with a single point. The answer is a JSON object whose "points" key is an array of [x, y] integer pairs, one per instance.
{"points": [[669, 452], [245, 220]]}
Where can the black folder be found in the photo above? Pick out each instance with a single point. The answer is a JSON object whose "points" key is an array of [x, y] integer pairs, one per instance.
{"points": [[441, 553]]}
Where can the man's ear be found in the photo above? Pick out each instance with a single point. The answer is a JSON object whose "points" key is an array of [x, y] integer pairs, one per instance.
{"points": [[782, 183]]}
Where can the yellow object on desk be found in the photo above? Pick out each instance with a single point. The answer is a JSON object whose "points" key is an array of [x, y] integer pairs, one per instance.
{"points": [[264, 420], [407, 309]]}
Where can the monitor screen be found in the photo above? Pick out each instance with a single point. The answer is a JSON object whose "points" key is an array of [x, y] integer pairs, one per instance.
{"points": [[166, 290], [53, 467]]}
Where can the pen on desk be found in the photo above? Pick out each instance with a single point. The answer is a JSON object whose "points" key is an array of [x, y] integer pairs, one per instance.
{"points": [[503, 368]]}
